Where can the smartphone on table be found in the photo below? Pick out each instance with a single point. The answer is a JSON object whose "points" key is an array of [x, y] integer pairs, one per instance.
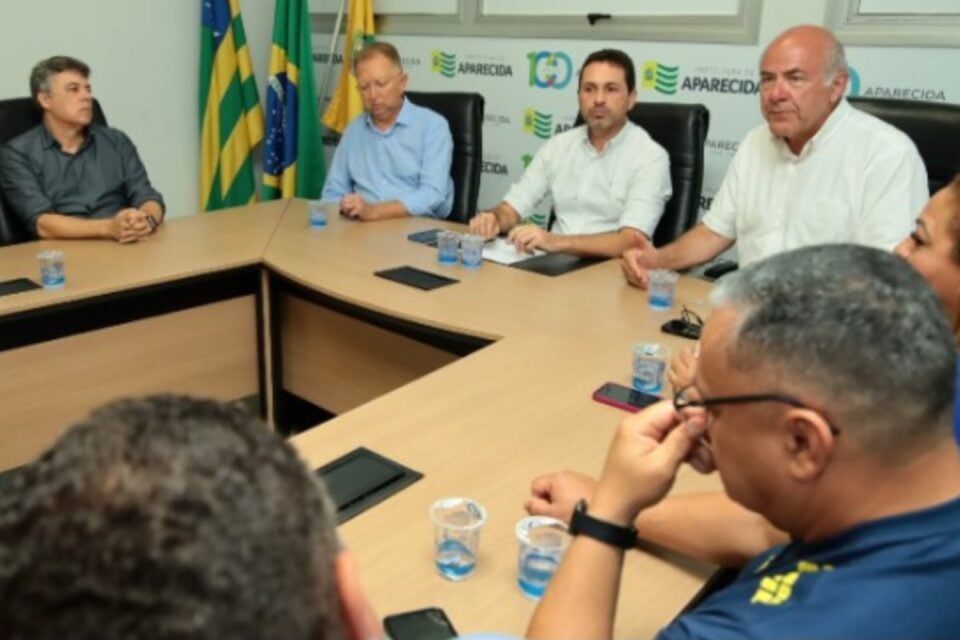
{"points": [[423, 624], [623, 397]]}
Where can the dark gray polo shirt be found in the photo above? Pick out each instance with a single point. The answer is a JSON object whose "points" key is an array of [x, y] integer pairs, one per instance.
{"points": [[102, 178]]}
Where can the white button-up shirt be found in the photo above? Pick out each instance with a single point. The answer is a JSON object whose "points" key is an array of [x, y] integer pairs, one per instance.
{"points": [[857, 180], [625, 185]]}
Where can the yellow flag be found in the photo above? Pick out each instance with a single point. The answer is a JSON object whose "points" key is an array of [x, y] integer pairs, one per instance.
{"points": [[231, 120], [345, 105]]}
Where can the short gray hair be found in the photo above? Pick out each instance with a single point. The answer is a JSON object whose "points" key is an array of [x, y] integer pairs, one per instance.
{"points": [[373, 49], [836, 60], [45, 69], [856, 330]]}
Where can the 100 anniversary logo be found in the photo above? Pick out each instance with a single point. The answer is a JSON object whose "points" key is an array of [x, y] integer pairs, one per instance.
{"points": [[550, 69]]}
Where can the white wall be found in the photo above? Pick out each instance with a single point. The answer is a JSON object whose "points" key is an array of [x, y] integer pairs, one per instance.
{"points": [[144, 56], [780, 14]]}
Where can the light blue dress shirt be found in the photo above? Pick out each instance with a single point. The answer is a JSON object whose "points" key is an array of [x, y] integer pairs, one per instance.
{"points": [[409, 162]]}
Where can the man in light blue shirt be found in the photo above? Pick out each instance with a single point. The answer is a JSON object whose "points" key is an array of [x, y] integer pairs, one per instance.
{"points": [[394, 159]]}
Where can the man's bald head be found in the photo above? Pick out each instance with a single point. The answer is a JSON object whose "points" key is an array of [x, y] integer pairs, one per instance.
{"points": [[819, 43], [803, 75]]}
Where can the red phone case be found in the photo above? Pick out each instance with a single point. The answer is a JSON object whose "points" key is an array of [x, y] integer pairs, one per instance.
{"points": [[600, 396]]}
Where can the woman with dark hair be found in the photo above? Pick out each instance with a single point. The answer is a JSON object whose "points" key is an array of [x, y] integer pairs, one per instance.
{"points": [[933, 249]]}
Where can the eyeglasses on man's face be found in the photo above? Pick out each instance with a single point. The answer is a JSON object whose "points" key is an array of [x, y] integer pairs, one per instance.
{"points": [[683, 400]]}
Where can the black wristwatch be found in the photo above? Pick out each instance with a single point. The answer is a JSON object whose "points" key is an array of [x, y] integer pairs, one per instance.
{"points": [[584, 524]]}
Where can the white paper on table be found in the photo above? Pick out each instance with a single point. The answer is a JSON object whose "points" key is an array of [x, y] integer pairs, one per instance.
{"points": [[503, 251]]}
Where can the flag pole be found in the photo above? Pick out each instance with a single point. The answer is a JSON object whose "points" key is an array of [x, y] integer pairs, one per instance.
{"points": [[333, 49]]}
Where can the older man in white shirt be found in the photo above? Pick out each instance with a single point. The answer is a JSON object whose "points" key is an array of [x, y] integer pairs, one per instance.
{"points": [[819, 171]]}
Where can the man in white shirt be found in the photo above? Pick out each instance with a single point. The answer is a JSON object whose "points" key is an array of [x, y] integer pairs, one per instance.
{"points": [[609, 180], [819, 171]]}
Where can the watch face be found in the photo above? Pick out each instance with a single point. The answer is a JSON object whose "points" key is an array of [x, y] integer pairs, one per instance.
{"points": [[579, 510]]}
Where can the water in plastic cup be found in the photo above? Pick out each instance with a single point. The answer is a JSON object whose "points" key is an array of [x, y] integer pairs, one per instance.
{"points": [[318, 215], [448, 242], [543, 542], [663, 283], [52, 275], [471, 251], [649, 365], [457, 523]]}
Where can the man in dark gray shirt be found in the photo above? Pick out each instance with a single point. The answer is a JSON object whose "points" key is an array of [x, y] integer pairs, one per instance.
{"points": [[70, 178]]}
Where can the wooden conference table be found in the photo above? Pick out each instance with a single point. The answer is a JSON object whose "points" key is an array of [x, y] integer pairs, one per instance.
{"points": [[480, 386]]}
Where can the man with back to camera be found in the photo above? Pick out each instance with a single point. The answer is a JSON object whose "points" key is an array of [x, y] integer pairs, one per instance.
{"points": [[394, 159], [818, 171], [609, 180], [170, 517], [70, 178], [174, 517], [823, 396]]}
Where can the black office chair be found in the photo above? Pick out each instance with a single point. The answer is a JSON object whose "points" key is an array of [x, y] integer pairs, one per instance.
{"points": [[10, 229], [17, 115], [681, 129], [933, 126], [464, 112]]}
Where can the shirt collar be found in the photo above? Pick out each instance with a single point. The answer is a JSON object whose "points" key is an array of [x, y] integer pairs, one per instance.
{"points": [[613, 143], [404, 117], [821, 137], [50, 142], [48, 139]]}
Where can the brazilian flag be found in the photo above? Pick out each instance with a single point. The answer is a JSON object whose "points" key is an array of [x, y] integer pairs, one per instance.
{"points": [[231, 120], [293, 163]]}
